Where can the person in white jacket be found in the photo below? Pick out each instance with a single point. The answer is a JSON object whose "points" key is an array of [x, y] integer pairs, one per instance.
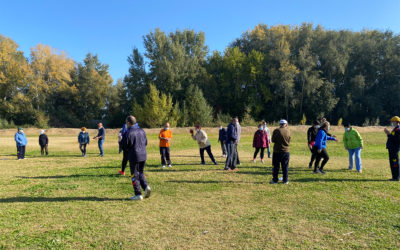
{"points": [[202, 139], [269, 136]]}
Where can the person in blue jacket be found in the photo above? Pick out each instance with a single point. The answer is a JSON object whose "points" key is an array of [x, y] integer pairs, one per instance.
{"points": [[320, 147], [21, 141], [83, 140]]}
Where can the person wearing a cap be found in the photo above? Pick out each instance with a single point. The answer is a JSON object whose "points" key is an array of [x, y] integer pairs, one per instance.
{"points": [[353, 143], [202, 139], [101, 136], [311, 134], [281, 155], [43, 142], [21, 141], [320, 147], [393, 146], [83, 140]]}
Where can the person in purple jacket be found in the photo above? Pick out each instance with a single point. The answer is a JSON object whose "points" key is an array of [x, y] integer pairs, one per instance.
{"points": [[135, 142], [260, 142], [320, 147]]}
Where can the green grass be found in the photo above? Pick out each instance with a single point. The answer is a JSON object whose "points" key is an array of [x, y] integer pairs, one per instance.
{"points": [[66, 201]]}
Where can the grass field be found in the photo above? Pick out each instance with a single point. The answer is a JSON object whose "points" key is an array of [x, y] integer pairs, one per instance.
{"points": [[66, 201]]}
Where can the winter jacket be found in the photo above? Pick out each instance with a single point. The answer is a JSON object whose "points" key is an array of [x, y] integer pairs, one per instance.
{"points": [[352, 139], [20, 139], [311, 134], [201, 138], [320, 140], [281, 140], [135, 142], [83, 138], [231, 134], [260, 139], [393, 141], [43, 140], [222, 135], [165, 134]]}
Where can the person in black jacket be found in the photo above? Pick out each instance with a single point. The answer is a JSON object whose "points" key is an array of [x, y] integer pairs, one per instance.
{"points": [[135, 142], [393, 146], [231, 146], [222, 139], [311, 134], [43, 142]]}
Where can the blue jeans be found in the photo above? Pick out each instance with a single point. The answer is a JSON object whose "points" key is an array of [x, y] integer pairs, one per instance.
{"points": [[101, 142], [357, 153]]}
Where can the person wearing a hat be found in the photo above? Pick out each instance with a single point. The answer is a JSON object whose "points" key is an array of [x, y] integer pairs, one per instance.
{"points": [[354, 144], [101, 136], [21, 141], [393, 146], [43, 142], [83, 139], [281, 155], [320, 147], [202, 139]]}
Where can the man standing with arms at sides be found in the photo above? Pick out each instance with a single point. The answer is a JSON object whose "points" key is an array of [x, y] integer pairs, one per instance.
{"points": [[239, 132], [101, 136], [135, 142], [393, 146], [280, 157], [269, 137], [231, 144], [21, 141], [165, 137], [222, 140]]}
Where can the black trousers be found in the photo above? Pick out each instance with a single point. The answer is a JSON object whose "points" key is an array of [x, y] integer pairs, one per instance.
{"points": [[313, 157], [237, 155], [21, 152], [164, 152], [280, 160], [82, 147], [318, 156], [124, 160], [43, 149], [231, 159], [208, 149], [394, 164], [137, 176], [261, 154]]}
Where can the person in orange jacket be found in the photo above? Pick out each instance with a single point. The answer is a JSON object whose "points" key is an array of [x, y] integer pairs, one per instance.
{"points": [[165, 138]]}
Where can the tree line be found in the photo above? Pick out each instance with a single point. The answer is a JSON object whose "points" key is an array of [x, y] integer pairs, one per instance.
{"points": [[299, 73]]}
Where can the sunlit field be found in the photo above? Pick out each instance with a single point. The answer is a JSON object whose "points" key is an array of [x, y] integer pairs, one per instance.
{"points": [[66, 201]]}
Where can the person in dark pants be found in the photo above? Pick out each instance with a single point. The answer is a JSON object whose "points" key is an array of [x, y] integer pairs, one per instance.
{"points": [[202, 139], [231, 144], [121, 134], [320, 147], [101, 136], [281, 155], [222, 139], [43, 142], [311, 134], [239, 133], [135, 142], [165, 138], [21, 141], [393, 146], [260, 142], [83, 140]]}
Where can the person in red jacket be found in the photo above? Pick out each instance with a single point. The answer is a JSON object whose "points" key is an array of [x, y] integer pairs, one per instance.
{"points": [[260, 142]]}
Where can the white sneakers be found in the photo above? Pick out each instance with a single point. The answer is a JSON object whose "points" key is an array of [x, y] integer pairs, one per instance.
{"points": [[163, 166], [170, 166], [253, 161], [137, 198], [262, 161], [147, 193]]}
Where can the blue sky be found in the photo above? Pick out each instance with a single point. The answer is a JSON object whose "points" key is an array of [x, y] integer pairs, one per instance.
{"points": [[112, 28]]}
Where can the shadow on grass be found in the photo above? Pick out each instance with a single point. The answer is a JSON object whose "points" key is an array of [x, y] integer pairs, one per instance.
{"points": [[69, 176], [212, 182], [56, 199], [336, 180]]}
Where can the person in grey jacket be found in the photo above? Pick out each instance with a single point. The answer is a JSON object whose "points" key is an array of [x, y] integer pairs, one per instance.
{"points": [[239, 132]]}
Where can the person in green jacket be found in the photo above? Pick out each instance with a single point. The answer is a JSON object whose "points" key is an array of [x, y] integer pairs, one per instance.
{"points": [[353, 143]]}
